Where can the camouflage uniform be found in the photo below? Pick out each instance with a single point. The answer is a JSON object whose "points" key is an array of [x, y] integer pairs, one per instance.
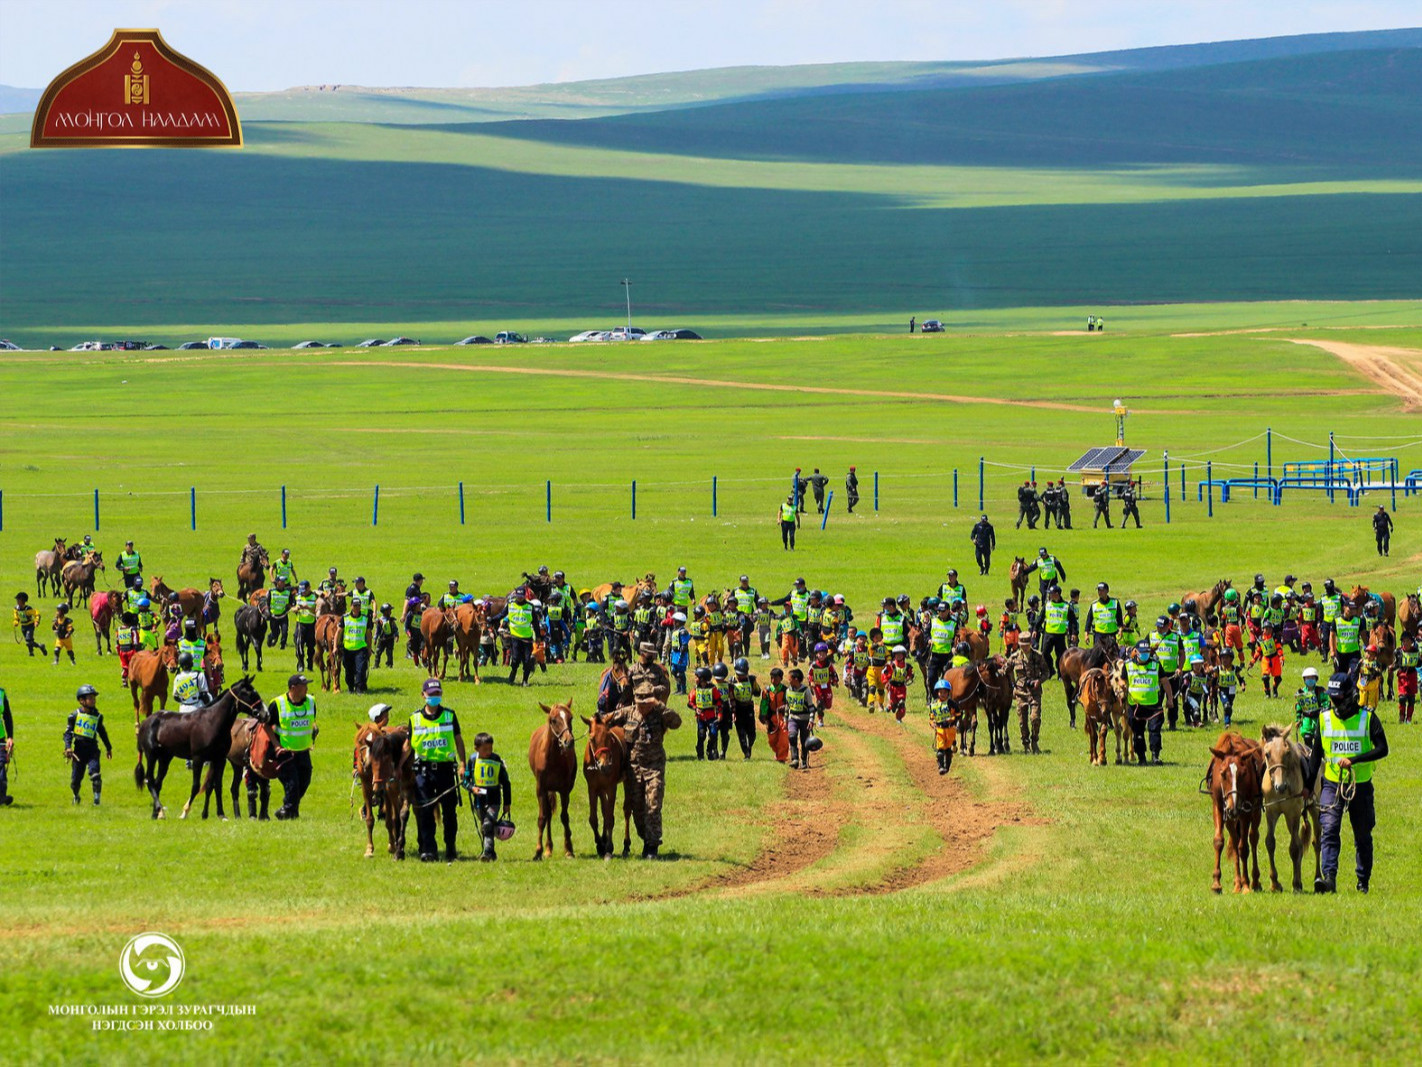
{"points": [[646, 725], [653, 674], [1029, 670]]}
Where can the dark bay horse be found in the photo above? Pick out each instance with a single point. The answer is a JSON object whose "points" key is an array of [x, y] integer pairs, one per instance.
{"points": [[1236, 788], [1017, 576], [203, 736], [554, 762], [252, 574], [251, 626], [605, 766], [78, 576]]}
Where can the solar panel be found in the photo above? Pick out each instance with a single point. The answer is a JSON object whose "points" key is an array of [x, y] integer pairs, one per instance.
{"points": [[1113, 457]]}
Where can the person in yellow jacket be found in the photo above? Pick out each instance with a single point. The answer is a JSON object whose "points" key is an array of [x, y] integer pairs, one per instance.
{"points": [[26, 619]]}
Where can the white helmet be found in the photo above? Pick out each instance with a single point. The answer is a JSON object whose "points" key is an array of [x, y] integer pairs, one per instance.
{"points": [[1310, 672], [621, 605], [377, 710], [679, 617], [535, 603], [899, 648]]}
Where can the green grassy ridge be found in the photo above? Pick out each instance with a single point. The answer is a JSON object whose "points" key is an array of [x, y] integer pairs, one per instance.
{"points": [[1341, 109]]}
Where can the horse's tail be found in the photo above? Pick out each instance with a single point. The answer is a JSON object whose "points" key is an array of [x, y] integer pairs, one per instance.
{"points": [[138, 778]]}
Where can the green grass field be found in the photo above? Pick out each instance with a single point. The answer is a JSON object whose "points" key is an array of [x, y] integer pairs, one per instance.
{"points": [[1032, 907]]}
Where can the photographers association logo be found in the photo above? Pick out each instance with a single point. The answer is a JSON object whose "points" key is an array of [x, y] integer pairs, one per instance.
{"points": [[152, 965]]}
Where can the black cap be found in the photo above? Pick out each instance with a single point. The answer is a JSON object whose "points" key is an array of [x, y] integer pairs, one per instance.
{"points": [[418, 577], [297, 679]]}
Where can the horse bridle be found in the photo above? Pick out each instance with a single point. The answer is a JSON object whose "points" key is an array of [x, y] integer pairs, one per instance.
{"points": [[571, 740]]}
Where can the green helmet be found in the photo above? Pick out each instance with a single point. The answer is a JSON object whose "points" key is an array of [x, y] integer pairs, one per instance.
{"points": [[1231, 595]]}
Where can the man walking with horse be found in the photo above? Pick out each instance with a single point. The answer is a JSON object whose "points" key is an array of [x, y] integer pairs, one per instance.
{"points": [[1147, 690], [646, 723], [438, 747], [295, 715]]}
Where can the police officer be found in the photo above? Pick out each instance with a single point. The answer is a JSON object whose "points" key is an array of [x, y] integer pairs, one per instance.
{"points": [[83, 731], [942, 631], [1382, 529], [1049, 570], [1147, 690], [1055, 623], [817, 486], [1128, 506], [364, 595], [1345, 643], [295, 716], [438, 748], [355, 645], [1026, 506], [279, 602], [1102, 496], [130, 565], [646, 724], [1049, 505], [746, 599], [520, 619], [984, 539], [682, 590], [1167, 648], [789, 523], [1105, 619], [1350, 740], [1063, 505], [851, 489], [7, 748], [305, 641], [952, 590], [283, 568]]}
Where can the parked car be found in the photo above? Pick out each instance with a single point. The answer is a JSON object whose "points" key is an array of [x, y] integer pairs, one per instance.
{"points": [[672, 335], [129, 346], [371, 342], [9, 346], [626, 333], [508, 337], [248, 344], [91, 346], [309, 344], [931, 326], [589, 335], [155, 348], [396, 342], [190, 346], [476, 339]]}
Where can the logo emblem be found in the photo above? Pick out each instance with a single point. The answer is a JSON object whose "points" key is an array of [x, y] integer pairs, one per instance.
{"points": [[152, 965]]}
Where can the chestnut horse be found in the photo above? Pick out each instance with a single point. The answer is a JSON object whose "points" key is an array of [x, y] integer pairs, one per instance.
{"points": [[1409, 614], [1236, 788], [148, 678], [1104, 708], [1284, 795], [436, 629], [554, 762], [328, 651], [1360, 596], [605, 766], [1017, 576], [384, 764], [468, 625], [103, 609], [1204, 604]]}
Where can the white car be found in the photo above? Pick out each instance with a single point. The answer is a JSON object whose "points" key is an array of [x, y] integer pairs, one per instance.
{"points": [[626, 333], [589, 335], [672, 335]]}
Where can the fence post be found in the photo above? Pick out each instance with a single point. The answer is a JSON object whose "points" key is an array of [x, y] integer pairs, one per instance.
{"points": [[713, 496], [955, 487], [1034, 474], [96, 511], [876, 491], [548, 499], [1182, 482], [1330, 466], [1256, 479], [634, 498], [980, 483], [192, 506], [461, 503], [1394, 483], [283, 507], [375, 510], [1167, 486], [1210, 487], [828, 504], [1269, 450]]}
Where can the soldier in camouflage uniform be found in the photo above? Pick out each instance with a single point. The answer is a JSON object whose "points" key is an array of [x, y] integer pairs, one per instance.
{"points": [[647, 671], [646, 724], [1029, 670]]}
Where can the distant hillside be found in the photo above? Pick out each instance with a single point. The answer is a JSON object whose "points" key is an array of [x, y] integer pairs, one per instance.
{"points": [[13, 99]]}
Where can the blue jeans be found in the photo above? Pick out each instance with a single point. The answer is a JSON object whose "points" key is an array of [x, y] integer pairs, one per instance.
{"points": [[1363, 817]]}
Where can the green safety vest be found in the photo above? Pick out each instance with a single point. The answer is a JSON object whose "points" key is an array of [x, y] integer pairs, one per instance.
{"points": [[486, 773], [1047, 568], [130, 562], [682, 588], [1332, 607], [1226, 677], [742, 688], [952, 592], [278, 602], [1194, 645], [521, 621], [1346, 737], [892, 629], [432, 740], [643, 615], [940, 636], [787, 512], [363, 598], [187, 687], [1144, 683], [1307, 707], [940, 713], [960, 661], [1284, 591], [797, 703], [1167, 650], [1057, 612], [448, 601], [284, 568], [621, 623], [799, 604], [555, 611], [705, 699], [1230, 614], [1348, 634], [86, 724], [1103, 617], [196, 649], [294, 723], [696, 628], [353, 634], [132, 597], [745, 601], [305, 607], [1273, 616], [1405, 660]]}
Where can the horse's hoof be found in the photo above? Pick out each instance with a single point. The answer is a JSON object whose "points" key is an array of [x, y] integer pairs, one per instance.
{"points": [[1216, 889], [369, 853], [162, 813], [537, 856]]}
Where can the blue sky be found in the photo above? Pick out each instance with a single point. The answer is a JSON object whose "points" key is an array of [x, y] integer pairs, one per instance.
{"points": [[274, 44]]}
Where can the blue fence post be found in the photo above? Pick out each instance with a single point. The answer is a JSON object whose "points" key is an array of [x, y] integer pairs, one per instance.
{"points": [[461, 503], [375, 509], [876, 490], [1331, 461], [283, 507], [1182, 482], [955, 487], [1210, 487], [192, 506], [713, 496], [1269, 450], [980, 483], [634, 498], [1167, 485], [548, 499], [96, 511], [1256, 479], [1394, 483], [828, 504], [1034, 473]]}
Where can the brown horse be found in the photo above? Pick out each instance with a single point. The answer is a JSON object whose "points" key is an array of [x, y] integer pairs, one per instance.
{"points": [[103, 609], [1361, 595], [212, 665], [148, 678], [252, 574], [1204, 603], [49, 563], [328, 651], [1017, 576], [968, 692], [77, 576], [1409, 615], [436, 630], [239, 757], [1075, 662], [1104, 708], [554, 762], [204, 606], [1385, 638], [996, 678], [1284, 794], [468, 625], [384, 764], [1236, 788], [604, 768], [332, 602]]}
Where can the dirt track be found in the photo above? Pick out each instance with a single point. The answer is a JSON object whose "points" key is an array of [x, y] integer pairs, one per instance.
{"points": [[1398, 370]]}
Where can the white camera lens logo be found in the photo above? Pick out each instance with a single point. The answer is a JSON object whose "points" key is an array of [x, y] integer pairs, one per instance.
{"points": [[152, 965]]}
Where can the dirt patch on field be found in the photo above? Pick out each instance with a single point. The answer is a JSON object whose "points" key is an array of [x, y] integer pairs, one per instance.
{"points": [[1398, 370]]}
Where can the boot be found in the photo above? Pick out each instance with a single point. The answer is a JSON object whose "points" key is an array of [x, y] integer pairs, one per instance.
{"points": [[251, 805]]}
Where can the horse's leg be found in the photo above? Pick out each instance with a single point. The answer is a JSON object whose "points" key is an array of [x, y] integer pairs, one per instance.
{"points": [[567, 829], [197, 784], [369, 818], [1274, 885], [155, 781], [1253, 849], [542, 822], [1219, 846], [236, 789], [593, 802], [215, 770], [1296, 847]]}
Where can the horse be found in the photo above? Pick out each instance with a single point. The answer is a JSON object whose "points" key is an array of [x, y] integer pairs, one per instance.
{"points": [[468, 624], [996, 700], [103, 608], [1104, 708], [554, 763], [1284, 794], [77, 576], [1236, 787], [1360, 596], [148, 678], [212, 665], [204, 736], [48, 563], [251, 626], [1204, 603], [1017, 576], [605, 765], [384, 764], [966, 691], [1073, 664], [204, 606], [333, 601], [328, 651], [436, 630], [252, 573], [239, 756], [1409, 615]]}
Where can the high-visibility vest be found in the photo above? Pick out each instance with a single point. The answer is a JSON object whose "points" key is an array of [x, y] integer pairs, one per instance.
{"points": [[940, 636], [941, 713], [745, 601], [952, 592], [521, 621], [892, 628], [353, 635], [432, 740], [1166, 649], [130, 562], [696, 628], [86, 724], [555, 610], [1057, 612], [294, 722], [1348, 634], [682, 589], [799, 604], [1047, 568], [196, 649], [279, 602], [305, 607], [486, 773], [787, 512], [1350, 738], [1332, 607], [797, 703], [704, 699], [1143, 683], [363, 597], [284, 568], [743, 690], [1103, 617], [187, 687], [1408, 661]]}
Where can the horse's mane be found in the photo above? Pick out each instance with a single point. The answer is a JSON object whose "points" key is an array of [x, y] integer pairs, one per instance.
{"points": [[1230, 743], [1273, 732]]}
